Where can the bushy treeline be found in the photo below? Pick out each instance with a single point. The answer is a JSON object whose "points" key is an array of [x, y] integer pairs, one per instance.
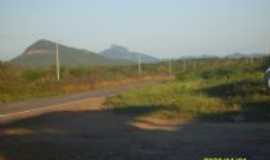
{"points": [[18, 83], [220, 68], [204, 88]]}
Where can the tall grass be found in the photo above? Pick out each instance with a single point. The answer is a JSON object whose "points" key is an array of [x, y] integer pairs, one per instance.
{"points": [[18, 83], [212, 88]]}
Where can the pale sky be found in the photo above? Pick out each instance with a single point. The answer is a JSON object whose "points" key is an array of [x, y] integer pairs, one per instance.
{"points": [[161, 28]]}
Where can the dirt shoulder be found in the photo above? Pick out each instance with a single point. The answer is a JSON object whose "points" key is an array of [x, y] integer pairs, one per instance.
{"points": [[33, 107]]}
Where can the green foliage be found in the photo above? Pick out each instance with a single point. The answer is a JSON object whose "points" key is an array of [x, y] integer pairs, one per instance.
{"points": [[212, 90], [32, 75], [186, 76], [219, 73], [19, 83], [194, 82], [174, 97], [78, 72]]}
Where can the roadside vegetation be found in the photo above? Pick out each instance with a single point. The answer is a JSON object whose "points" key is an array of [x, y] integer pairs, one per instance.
{"points": [[18, 83], [219, 89]]}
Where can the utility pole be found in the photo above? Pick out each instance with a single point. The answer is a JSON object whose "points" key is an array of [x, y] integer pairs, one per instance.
{"points": [[267, 57], [184, 65], [57, 62], [251, 60], [170, 66], [139, 65], [194, 65]]}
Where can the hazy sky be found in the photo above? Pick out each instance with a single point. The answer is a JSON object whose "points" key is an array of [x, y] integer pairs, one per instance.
{"points": [[162, 28]]}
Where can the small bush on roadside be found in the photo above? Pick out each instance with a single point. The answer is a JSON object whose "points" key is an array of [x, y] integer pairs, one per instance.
{"points": [[32, 75], [230, 86], [218, 73], [186, 76]]}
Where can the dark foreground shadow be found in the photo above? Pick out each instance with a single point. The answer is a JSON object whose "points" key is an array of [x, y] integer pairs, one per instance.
{"points": [[240, 88], [251, 95], [110, 135]]}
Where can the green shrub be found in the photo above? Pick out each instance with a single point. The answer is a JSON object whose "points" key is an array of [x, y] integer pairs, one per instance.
{"points": [[218, 73], [185, 76], [78, 72], [198, 104], [212, 89], [32, 75]]}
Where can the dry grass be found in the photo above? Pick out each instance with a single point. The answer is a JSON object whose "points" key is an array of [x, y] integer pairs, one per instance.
{"points": [[221, 93]]}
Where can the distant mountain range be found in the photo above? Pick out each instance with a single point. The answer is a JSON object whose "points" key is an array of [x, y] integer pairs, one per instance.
{"points": [[42, 53], [203, 56], [120, 52], [229, 56], [241, 55]]}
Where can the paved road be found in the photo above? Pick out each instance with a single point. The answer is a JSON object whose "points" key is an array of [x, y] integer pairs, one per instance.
{"points": [[85, 130], [80, 127]]}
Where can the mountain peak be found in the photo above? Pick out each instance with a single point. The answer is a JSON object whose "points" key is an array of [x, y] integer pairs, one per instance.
{"points": [[43, 41], [42, 54], [42, 46], [118, 47], [120, 52]]}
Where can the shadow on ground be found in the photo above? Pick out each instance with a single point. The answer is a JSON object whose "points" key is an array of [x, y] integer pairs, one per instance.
{"points": [[239, 88], [107, 134], [251, 95]]}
